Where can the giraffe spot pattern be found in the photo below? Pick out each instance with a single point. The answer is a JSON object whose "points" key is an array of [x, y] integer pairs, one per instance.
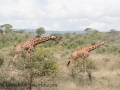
{"points": [[84, 52], [31, 43]]}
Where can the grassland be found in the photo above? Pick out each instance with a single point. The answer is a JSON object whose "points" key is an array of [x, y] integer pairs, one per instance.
{"points": [[47, 64]]}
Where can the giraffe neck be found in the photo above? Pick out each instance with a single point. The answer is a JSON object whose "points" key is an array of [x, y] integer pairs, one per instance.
{"points": [[93, 47], [40, 40]]}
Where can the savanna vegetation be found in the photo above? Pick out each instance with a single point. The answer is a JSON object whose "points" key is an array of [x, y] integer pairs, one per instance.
{"points": [[45, 68]]}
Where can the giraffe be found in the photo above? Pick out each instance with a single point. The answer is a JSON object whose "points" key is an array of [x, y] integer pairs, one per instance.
{"points": [[29, 45], [84, 53]]}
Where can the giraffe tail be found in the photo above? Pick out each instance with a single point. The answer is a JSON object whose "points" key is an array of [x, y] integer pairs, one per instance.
{"points": [[68, 63]]}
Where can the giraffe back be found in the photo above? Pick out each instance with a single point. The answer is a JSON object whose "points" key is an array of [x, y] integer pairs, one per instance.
{"points": [[24, 46]]}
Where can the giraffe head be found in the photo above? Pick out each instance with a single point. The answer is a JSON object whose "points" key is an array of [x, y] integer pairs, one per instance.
{"points": [[55, 38], [103, 43]]}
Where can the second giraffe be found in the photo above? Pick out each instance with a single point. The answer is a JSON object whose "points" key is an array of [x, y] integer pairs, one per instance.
{"points": [[84, 52]]}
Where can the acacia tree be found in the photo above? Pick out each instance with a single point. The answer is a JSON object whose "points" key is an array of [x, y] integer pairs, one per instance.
{"points": [[88, 30], [114, 32], [40, 31], [7, 28]]}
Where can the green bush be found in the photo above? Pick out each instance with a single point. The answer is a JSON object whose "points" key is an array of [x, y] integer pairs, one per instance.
{"points": [[40, 62], [50, 68]]}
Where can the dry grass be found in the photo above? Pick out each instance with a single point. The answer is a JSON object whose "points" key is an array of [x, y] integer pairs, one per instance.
{"points": [[106, 77]]}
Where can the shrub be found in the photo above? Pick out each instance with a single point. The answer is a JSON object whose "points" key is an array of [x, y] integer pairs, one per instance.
{"points": [[40, 62], [50, 68], [90, 64]]}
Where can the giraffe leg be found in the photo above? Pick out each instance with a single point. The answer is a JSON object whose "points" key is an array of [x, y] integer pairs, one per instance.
{"points": [[73, 62], [31, 49], [28, 50], [15, 62], [83, 66], [83, 72], [12, 61], [15, 57]]}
